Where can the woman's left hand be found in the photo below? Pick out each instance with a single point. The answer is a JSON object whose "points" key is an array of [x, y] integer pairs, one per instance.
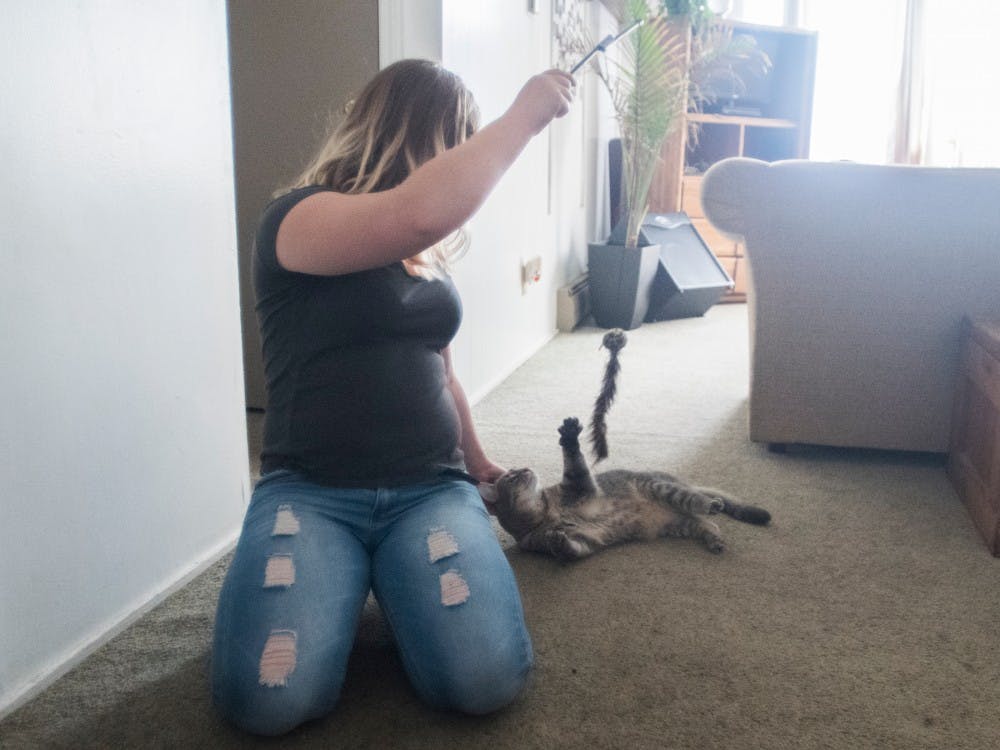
{"points": [[487, 473], [485, 470]]}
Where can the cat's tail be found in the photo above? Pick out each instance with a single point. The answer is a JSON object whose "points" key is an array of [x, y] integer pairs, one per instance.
{"points": [[746, 513], [613, 341]]}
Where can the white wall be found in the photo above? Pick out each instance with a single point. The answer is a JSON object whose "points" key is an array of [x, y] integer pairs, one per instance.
{"points": [[541, 206], [409, 28], [123, 462]]}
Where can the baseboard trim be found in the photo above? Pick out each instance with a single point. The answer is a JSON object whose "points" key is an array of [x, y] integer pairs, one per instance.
{"points": [[74, 655]]}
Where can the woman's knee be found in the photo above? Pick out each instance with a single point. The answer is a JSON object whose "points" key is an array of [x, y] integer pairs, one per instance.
{"points": [[481, 683], [262, 723], [275, 692], [269, 711]]}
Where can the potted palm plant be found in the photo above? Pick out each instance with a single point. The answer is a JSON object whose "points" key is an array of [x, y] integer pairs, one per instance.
{"points": [[652, 82], [647, 83]]}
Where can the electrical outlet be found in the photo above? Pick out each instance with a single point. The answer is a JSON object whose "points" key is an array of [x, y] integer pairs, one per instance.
{"points": [[531, 273]]}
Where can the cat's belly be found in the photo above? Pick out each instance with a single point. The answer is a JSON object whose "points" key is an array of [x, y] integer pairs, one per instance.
{"points": [[646, 519], [653, 517]]}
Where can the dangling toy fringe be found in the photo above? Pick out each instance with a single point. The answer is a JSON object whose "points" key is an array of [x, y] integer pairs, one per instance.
{"points": [[613, 341]]}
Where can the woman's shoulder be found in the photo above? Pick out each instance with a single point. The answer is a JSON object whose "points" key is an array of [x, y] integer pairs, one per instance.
{"points": [[283, 202], [272, 216]]}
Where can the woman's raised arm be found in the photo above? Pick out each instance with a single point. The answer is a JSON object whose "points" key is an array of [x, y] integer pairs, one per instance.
{"points": [[333, 233]]}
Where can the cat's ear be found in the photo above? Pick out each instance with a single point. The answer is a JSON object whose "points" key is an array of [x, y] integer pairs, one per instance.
{"points": [[488, 492]]}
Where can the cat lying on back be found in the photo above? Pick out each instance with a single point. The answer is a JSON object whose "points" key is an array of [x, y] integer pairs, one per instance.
{"points": [[585, 513]]}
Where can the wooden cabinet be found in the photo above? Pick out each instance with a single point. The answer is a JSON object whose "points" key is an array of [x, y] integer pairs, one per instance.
{"points": [[764, 117], [974, 454], [729, 252]]}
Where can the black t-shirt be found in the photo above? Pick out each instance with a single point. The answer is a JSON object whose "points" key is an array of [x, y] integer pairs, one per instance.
{"points": [[357, 389]]}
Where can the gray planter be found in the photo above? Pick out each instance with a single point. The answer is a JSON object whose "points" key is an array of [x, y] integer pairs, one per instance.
{"points": [[621, 279]]}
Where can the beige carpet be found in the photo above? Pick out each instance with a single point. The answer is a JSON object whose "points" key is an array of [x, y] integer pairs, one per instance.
{"points": [[866, 616]]}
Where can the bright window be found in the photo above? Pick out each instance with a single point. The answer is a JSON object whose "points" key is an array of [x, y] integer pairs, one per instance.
{"points": [[767, 12], [860, 48], [956, 120], [963, 83]]}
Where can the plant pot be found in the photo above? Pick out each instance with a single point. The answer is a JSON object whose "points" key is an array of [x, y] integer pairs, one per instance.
{"points": [[620, 279]]}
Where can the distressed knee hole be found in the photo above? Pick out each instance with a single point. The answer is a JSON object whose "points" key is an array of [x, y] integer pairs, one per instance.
{"points": [[280, 571], [441, 544], [278, 659], [285, 522], [454, 589]]}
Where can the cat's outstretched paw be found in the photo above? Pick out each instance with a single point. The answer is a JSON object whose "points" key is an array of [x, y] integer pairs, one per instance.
{"points": [[569, 432], [564, 547], [715, 545]]}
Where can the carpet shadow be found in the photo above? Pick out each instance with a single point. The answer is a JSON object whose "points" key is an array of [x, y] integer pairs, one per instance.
{"points": [[731, 439], [378, 708]]}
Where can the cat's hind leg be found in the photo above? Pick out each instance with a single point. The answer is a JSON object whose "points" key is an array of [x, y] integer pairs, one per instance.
{"points": [[692, 527], [733, 506], [682, 497]]}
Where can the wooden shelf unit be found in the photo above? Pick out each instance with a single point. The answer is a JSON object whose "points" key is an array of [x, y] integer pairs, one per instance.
{"points": [[781, 131]]}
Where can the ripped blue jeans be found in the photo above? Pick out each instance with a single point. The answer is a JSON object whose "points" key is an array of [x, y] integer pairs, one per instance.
{"points": [[306, 560]]}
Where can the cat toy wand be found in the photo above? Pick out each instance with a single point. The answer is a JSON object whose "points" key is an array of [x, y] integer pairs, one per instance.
{"points": [[604, 44]]}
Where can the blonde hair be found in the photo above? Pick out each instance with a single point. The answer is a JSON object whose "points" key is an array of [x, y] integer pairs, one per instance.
{"points": [[406, 115]]}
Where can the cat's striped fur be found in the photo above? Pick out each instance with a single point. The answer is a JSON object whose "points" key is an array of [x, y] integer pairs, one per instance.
{"points": [[585, 513]]}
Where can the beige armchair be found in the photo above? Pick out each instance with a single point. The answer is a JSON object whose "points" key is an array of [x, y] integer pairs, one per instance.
{"points": [[860, 276]]}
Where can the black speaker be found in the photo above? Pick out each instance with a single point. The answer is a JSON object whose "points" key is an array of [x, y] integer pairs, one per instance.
{"points": [[689, 278]]}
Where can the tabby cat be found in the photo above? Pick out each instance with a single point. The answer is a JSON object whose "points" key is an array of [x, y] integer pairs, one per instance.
{"points": [[585, 513]]}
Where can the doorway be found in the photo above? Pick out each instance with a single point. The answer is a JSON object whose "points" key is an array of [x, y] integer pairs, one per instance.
{"points": [[292, 66]]}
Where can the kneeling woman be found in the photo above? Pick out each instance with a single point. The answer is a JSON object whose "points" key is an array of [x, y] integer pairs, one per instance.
{"points": [[368, 439]]}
